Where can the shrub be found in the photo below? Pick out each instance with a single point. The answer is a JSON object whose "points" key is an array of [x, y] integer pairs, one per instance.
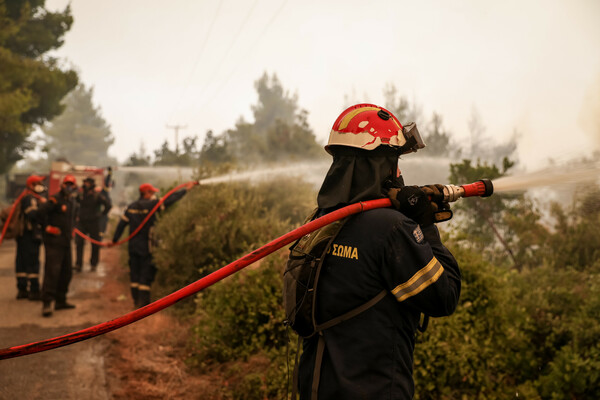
{"points": [[216, 224], [241, 321], [535, 334]]}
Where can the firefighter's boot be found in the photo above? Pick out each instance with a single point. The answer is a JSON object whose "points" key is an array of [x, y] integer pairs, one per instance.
{"points": [[47, 309], [22, 286], [34, 289], [143, 298], [134, 296]]}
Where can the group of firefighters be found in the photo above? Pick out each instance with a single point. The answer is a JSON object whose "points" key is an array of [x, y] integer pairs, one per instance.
{"points": [[74, 212]]}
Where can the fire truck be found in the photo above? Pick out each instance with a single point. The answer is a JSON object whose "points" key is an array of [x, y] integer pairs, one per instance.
{"points": [[15, 183], [60, 169]]}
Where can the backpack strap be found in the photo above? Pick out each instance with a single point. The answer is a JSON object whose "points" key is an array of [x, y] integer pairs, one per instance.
{"points": [[352, 313], [321, 342], [295, 377], [318, 270], [314, 391]]}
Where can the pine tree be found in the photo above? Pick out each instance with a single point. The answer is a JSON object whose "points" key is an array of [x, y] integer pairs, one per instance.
{"points": [[80, 134], [31, 83]]}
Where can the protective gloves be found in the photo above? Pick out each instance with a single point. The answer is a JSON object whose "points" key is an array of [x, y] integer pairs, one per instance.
{"points": [[424, 205], [441, 209]]}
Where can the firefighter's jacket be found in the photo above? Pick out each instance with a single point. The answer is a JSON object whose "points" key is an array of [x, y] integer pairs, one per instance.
{"points": [[30, 220], [58, 214], [93, 205], [370, 356], [133, 216]]}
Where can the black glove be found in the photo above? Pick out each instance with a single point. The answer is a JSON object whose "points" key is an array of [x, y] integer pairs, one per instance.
{"points": [[441, 209], [413, 202], [425, 205]]}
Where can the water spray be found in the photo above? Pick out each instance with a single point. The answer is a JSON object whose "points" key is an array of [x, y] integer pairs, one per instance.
{"points": [[550, 176]]}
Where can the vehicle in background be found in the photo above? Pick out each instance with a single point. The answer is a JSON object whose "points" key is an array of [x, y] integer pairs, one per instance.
{"points": [[59, 169], [16, 183]]}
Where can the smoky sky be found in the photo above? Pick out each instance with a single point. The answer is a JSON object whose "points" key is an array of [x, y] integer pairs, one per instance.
{"points": [[525, 66]]}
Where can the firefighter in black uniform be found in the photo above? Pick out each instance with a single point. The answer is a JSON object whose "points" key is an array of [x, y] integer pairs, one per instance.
{"points": [[29, 240], [141, 266], [59, 213], [107, 186], [370, 355], [93, 206]]}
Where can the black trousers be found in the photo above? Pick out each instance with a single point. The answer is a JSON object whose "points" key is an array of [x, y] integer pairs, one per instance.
{"points": [[142, 272], [57, 272], [92, 229], [27, 263]]}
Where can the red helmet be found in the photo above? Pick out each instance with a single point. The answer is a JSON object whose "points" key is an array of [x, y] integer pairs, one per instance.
{"points": [[34, 180], [147, 187], [69, 179], [367, 126]]}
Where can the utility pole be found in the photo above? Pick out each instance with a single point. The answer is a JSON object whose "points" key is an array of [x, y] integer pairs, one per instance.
{"points": [[176, 128]]}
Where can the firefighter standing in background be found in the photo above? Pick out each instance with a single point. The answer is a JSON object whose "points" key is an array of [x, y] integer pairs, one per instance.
{"points": [[29, 240], [93, 206], [141, 265], [396, 254], [59, 215], [107, 186]]}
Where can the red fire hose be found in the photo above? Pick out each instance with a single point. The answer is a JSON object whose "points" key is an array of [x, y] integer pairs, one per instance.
{"points": [[195, 287], [10, 214], [132, 234], [12, 211]]}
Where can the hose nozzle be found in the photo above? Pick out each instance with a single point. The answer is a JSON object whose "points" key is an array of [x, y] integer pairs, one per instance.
{"points": [[481, 188]]}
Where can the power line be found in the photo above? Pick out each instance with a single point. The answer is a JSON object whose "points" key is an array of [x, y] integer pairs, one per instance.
{"points": [[250, 49], [231, 44], [195, 64]]}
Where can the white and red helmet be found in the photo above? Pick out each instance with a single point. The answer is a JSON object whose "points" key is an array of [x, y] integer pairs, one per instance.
{"points": [[367, 126]]}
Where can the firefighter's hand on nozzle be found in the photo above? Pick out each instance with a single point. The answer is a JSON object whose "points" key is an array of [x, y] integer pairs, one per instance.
{"points": [[413, 202], [425, 205], [435, 193], [441, 209]]}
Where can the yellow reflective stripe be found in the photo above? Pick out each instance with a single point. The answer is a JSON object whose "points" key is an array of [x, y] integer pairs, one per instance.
{"points": [[124, 218], [136, 211], [419, 281], [32, 275], [134, 285], [21, 274], [346, 120], [144, 287]]}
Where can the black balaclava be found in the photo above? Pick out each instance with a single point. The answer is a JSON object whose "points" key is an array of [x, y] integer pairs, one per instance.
{"points": [[359, 175]]}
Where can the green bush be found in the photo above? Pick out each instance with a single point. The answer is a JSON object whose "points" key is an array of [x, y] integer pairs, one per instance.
{"points": [[241, 321], [238, 322], [534, 334], [214, 225]]}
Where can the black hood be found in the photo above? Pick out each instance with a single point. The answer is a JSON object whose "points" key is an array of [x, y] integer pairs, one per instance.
{"points": [[359, 175]]}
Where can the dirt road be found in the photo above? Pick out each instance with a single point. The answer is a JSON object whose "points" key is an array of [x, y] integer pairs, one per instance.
{"points": [[72, 372], [139, 361]]}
